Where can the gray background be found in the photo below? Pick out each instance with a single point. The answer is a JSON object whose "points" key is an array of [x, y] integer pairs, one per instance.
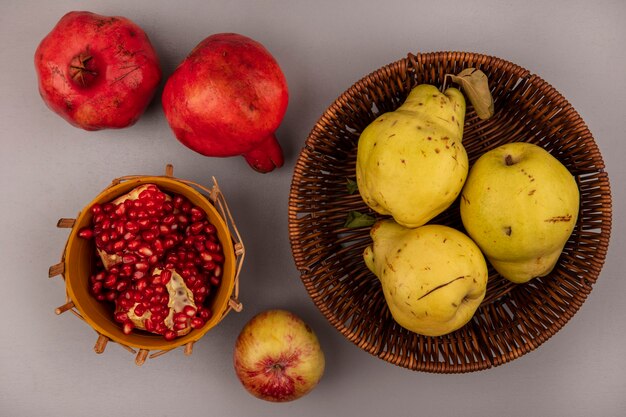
{"points": [[50, 170]]}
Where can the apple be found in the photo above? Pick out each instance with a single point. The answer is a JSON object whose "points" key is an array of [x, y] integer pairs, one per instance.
{"points": [[278, 357], [97, 72], [227, 98], [520, 205]]}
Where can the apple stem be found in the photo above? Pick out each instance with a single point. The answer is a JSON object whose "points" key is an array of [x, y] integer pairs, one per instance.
{"points": [[82, 69], [508, 160]]}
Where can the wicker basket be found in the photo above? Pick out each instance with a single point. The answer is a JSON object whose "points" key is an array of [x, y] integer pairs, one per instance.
{"points": [[76, 266], [513, 319]]}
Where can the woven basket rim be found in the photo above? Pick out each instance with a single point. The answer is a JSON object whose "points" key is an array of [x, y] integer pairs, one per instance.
{"points": [[309, 151]]}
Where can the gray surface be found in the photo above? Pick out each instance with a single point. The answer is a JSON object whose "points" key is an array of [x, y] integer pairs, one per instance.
{"points": [[50, 169]]}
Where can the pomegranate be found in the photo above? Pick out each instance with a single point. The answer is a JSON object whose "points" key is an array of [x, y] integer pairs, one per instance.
{"points": [[277, 357], [158, 261], [227, 98], [97, 71]]}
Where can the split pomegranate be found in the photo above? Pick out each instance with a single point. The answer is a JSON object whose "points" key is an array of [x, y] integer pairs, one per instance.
{"points": [[158, 261]]}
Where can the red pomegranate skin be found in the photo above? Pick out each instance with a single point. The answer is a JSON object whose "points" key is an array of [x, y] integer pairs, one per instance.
{"points": [[227, 98], [97, 72]]}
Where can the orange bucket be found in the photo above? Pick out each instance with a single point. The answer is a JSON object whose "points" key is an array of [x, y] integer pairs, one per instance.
{"points": [[77, 264]]}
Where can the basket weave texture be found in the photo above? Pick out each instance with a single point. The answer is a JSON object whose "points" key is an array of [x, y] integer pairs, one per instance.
{"points": [[512, 319]]}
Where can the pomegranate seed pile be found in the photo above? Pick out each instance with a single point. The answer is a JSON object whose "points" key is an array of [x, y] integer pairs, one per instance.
{"points": [[158, 259]]}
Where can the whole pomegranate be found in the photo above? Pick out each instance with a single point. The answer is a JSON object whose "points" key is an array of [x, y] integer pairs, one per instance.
{"points": [[96, 71], [227, 98]]}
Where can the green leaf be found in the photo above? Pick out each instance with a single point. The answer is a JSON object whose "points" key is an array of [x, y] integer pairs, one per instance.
{"points": [[352, 186], [356, 219], [476, 86]]}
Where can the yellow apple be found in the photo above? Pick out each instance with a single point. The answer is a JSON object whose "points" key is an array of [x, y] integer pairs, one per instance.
{"points": [[520, 205]]}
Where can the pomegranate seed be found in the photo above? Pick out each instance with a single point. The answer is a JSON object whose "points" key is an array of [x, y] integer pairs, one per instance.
{"points": [[211, 246], [217, 271], [121, 285], [160, 328], [189, 311], [168, 220], [158, 246], [138, 274], [143, 223], [126, 271], [129, 259], [156, 309], [181, 326], [111, 296], [180, 318], [134, 244], [110, 280], [125, 304], [142, 266], [140, 298], [166, 275], [196, 228], [96, 287], [120, 210], [158, 287], [164, 229], [169, 335], [128, 327], [85, 233], [185, 207], [204, 313], [96, 208], [120, 316], [197, 322], [146, 194], [167, 207], [178, 201], [140, 310], [169, 243], [119, 246], [145, 251], [196, 214], [149, 325], [100, 276], [98, 218], [148, 235], [141, 284], [215, 280], [210, 229], [202, 290], [209, 266], [132, 227], [108, 207]]}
